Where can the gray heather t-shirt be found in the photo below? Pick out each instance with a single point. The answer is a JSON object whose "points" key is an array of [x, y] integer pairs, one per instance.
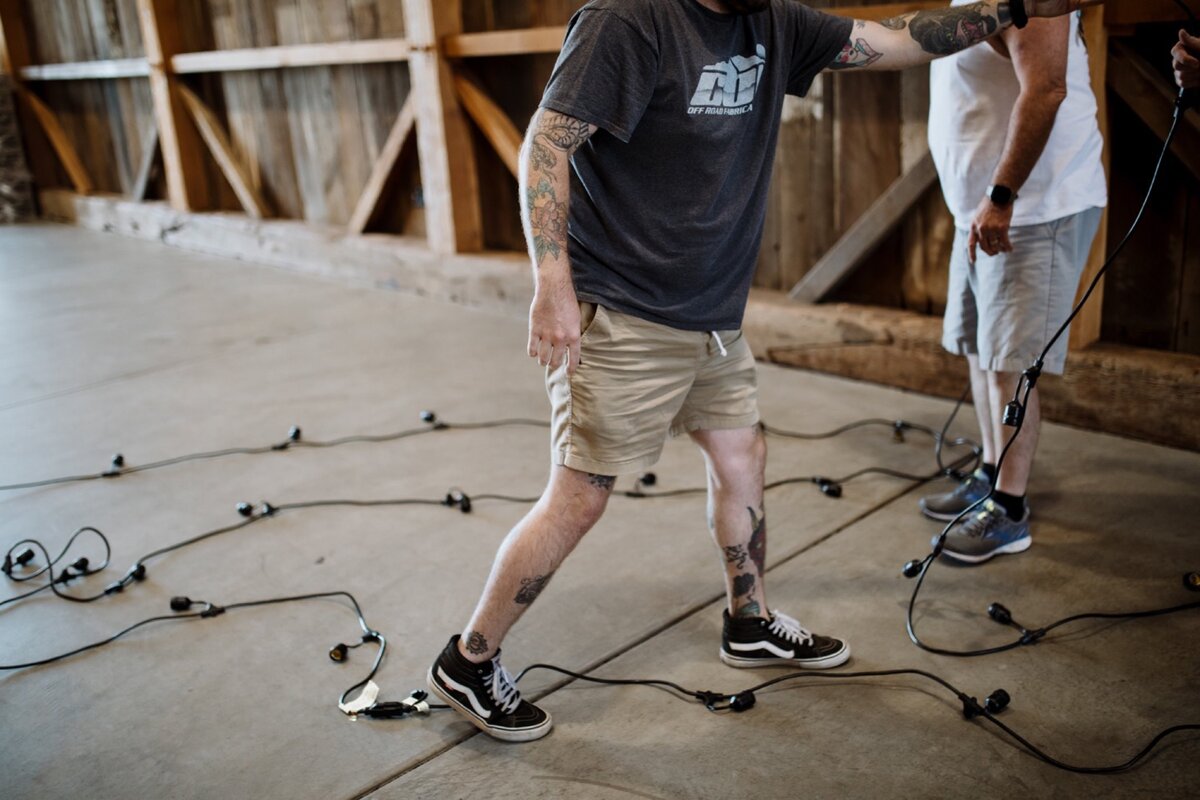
{"points": [[669, 198]]}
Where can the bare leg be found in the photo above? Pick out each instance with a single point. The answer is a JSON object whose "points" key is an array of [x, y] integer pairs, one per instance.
{"points": [[528, 557], [736, 459], [1014, 475], [981, 396]]}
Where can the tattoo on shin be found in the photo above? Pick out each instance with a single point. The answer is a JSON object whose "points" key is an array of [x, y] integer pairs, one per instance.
{"points": [[743, 584], [736, 555], [531, 588], [604, 482], [758, 539], [751, 609], [476, 645], [949, 30]]}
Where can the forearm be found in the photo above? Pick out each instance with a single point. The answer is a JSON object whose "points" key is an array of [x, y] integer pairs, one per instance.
{"points": [[545, 186], [917, 38], [1028, 131]]}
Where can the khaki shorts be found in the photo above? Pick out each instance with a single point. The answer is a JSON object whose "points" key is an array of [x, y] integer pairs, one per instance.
{"points": [[636, 382]]}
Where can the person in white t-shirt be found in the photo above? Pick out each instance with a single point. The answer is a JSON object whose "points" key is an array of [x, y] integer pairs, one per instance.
{"points": [[1013, 132]]}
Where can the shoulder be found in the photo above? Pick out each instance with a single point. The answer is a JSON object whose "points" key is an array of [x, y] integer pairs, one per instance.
{"points": [[640, 17]]}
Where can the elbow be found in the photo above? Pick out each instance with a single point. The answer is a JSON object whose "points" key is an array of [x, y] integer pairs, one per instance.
{"points": [[1051, 95]]}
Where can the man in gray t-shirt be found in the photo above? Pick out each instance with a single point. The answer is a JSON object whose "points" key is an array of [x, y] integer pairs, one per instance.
{"points": [[644, 182]]}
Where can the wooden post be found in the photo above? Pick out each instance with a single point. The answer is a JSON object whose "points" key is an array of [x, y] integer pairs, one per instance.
{"points": [[14, 39], [182, 148], [1085, 330], [453, 212]]}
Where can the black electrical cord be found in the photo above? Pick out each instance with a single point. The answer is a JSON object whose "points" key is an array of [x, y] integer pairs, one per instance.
{"points": [[1015, 417], [294, 441], [211, 610], [971, 707]]}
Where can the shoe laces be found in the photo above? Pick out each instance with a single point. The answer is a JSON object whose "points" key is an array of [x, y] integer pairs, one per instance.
{"points": [[503, 688], [789, 628], [989, 515]]}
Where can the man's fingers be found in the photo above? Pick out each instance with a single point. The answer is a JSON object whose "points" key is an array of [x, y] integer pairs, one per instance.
{"points": [[531, 347], [545, 351], [573, 358]]}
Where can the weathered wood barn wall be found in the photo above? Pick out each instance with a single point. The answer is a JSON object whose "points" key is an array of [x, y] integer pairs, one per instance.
{"points": [[402, 117]]}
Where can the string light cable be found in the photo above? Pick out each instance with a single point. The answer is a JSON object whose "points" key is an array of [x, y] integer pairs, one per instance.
{"points": [[1014, 417]]}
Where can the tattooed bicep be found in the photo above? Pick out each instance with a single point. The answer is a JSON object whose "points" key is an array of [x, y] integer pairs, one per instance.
{"points": [[561, 131]]}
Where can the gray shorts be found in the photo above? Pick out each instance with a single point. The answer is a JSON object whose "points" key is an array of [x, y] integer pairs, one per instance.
{"points": [[1005, 308]]}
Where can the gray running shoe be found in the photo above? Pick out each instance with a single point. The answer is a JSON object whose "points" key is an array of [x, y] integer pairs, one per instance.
{"points": [[987, 533], [948, 505]]}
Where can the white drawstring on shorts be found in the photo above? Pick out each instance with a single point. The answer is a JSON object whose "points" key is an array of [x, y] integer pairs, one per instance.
{"points": [[720, 344]]}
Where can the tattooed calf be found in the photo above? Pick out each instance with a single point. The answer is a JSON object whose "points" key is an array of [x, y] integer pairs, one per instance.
{"points": [[736, 555], [751, 609], [531, 588], [476, 645], [604, 482], [758, 539], [743, 584]]}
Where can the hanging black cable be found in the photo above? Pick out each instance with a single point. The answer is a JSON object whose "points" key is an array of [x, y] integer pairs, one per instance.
{"points": [[1014, 416]]}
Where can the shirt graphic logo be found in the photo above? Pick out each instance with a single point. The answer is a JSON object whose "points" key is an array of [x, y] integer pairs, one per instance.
{"points": [[728, 88]]}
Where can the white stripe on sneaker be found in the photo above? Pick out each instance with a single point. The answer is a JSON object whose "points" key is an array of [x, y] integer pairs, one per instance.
{"points": [[458, 687], [746, 647]]}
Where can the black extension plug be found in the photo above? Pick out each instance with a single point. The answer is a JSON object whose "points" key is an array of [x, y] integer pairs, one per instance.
{"points": [[428, 416], [997, 701], [181, 603], [245, 509], [1014, 414], [339, 652], [649, 479], [743, 701], [830, 488], [118, 461], [81, 564], [1000, 614], [1191, 581], [294, 433], [912, 569]]}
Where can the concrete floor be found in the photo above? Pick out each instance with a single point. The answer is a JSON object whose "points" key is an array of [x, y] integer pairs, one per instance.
{"points": [[114, 344]]}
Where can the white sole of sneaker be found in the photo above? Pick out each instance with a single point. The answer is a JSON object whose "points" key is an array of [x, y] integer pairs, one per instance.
{"points": [[826, 662], [1019, 546], [503, 734]]}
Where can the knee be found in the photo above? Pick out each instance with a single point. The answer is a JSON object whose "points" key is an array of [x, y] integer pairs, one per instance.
{"points": [[734, 464]]}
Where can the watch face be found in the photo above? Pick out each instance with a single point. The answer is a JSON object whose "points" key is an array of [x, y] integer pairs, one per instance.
{"points": [[1001, 195]]}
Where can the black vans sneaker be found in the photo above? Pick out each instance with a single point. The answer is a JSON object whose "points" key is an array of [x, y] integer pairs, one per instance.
{"points": [[487, 696], [779, 641]]}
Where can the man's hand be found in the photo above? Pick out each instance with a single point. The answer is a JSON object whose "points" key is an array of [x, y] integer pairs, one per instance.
{"points": [[989, 229], [1186, 61], [554, 327], [1056, 8]]}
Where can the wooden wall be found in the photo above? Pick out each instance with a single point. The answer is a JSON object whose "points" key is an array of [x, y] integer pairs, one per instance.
{"points": [[109, 121], [309, 136]]}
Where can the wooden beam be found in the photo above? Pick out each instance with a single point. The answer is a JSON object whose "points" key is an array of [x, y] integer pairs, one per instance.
{"points": [[453, 212], [866, 233], [383, 169], [218, 144], [1143, 11], [1085, 330], [145, 173], [15, 49], [505, 43], [182, 149], [88, 70], [59, 141], [524, 41], [1153, 99], [497, 128], [370, 51]]}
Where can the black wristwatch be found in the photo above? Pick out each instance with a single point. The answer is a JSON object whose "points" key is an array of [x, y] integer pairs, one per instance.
{"points": [[1001, 196]]}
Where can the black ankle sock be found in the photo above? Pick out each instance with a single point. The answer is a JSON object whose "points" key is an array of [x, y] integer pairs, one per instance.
{"points": [[1013, 506], [989, 470]]}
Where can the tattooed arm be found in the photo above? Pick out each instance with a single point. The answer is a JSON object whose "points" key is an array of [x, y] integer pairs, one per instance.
{"points": [[545, 198], [918, 38]]}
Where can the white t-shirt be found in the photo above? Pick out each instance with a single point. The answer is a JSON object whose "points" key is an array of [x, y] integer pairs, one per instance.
{"points": [[972, 95]]}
